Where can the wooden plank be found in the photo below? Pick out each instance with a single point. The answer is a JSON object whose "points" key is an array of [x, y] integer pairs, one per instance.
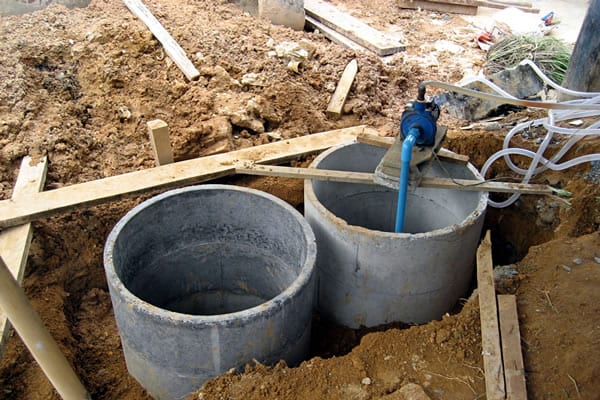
{"points": [[15, 241], [53, 202], [353, 28], [333, 35], [439, 7], [158, 130], [521, 5], [488, 313], [452, 156], [514, 3], [171, 47], [307, 173], [461, 2], [36, 337], [387, 142], [338, 99], [493, 4], [514, 369], [484, 186], [369, 178]]}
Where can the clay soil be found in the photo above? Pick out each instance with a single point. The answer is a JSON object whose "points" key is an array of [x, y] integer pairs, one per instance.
{"points": [[78, 86]]}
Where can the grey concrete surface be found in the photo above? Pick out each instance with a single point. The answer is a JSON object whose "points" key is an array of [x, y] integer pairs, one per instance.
{"points": [[367, 274], [207, 278]]}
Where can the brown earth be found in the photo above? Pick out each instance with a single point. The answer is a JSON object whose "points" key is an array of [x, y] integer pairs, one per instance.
{"points": [[79, 86]]}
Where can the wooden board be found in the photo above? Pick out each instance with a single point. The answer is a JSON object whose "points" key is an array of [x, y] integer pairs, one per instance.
{"points": [[521, 5], [338, 99], [307, 173], [514, 369], [171, 47], [53, 202], [334, 36], [490, 334], [369, 178], [158, 130], [353, 28], [15, 241], [387, 142], [493, 4], [439, 7], [483, 186]]}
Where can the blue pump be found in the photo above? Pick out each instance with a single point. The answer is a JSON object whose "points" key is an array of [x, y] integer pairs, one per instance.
{"points": [[417, 127]]}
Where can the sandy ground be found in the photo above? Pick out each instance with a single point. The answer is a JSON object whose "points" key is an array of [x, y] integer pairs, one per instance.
{"points": [[78, 86]]}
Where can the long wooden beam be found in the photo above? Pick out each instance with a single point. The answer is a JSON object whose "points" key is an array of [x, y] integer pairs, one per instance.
{"points": [[488, 313], [172, 48], [15, 241], [353, 28], [38, 340], [369, 179], [512, 357], [45, 204]]}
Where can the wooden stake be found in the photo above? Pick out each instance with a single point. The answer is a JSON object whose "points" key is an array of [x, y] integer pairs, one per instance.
{"points": [[34, 334], [171, 47], [15, 241], [53, 202], [514, 369], [336, 104], [488, 312], [158, 130]]}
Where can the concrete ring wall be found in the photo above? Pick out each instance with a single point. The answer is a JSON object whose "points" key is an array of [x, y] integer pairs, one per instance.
{"points": [[367, 274], [253, 253]]}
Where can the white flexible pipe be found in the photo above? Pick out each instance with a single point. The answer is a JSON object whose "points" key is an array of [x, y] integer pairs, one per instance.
{"points": [[568, 110]]}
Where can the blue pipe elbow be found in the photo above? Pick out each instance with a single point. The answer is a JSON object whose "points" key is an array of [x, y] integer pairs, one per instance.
{"points": [[405, 157]]}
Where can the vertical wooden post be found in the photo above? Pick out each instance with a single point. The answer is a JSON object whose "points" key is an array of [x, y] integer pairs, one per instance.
{"points": [[34, 334], [336, 104], [15, 241], [514, 369], [158, 130], [488, 311]]}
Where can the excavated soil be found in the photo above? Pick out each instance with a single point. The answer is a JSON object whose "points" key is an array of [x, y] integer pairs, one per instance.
{"points": [[78, 86]]}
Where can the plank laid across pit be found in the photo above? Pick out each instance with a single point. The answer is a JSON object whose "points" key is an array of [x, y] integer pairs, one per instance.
{"points": [[29, 208]]}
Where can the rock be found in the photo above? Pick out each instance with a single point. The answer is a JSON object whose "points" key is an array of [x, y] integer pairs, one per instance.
{"points": [[410, 391], [577, 261], [366, 381], [505, 277], [242, 111], [597, 260], [566, 268], [520, 81], [209, 137]]}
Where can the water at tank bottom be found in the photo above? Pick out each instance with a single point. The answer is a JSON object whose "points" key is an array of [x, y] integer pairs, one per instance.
{"points": [[212, 278]]}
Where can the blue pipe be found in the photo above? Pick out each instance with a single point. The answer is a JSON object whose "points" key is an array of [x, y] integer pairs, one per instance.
{"points": [[405, 156]]}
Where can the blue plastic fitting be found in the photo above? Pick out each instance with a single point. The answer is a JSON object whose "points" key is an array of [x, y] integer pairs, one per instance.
{"points": [[405, 157]]}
